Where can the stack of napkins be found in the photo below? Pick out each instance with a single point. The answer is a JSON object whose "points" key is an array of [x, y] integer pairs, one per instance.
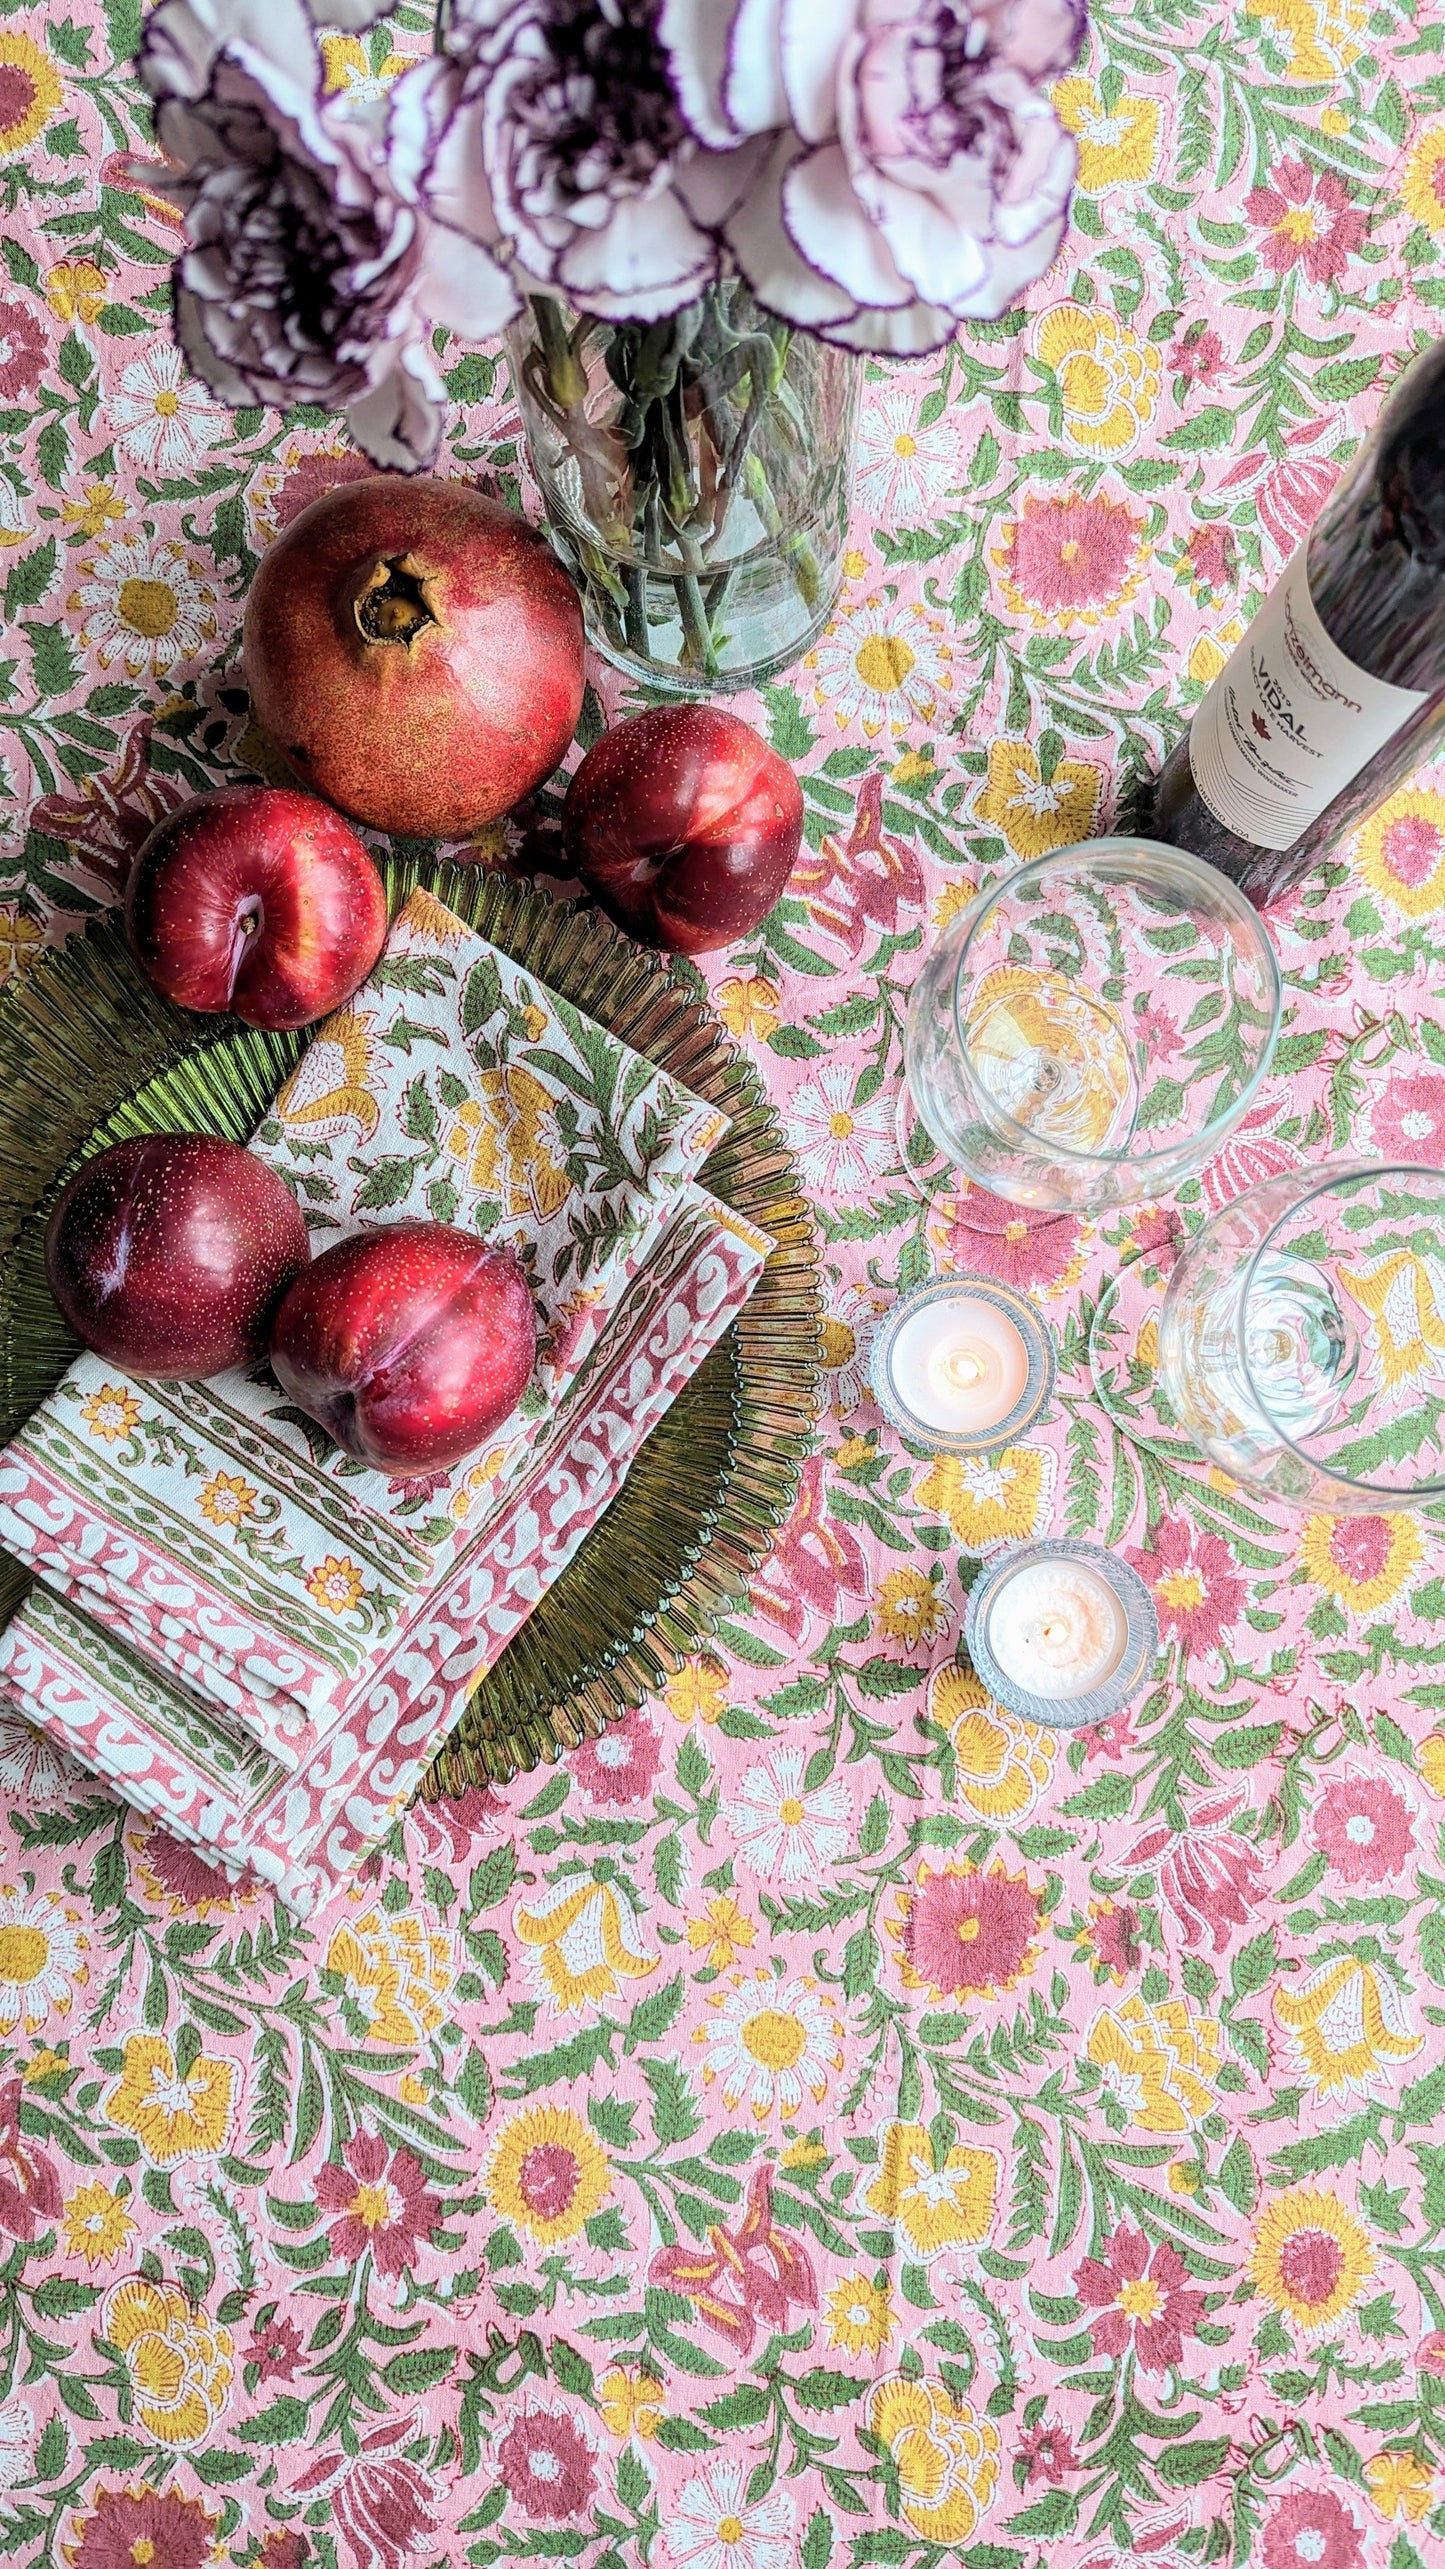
{"points": [[263, 1642]]}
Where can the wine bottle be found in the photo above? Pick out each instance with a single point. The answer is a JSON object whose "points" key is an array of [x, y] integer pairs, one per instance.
{"points": [[1331, 697]]}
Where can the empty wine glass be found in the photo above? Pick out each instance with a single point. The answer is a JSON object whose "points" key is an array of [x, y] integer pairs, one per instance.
{"points": [[1088, 1032], [1301, 1341]]}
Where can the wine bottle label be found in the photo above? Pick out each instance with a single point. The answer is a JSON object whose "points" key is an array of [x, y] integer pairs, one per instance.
{"points": [[1288, 721]]}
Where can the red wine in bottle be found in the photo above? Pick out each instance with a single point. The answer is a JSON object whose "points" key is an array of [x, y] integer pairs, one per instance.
{"points": [[1330, 698]]}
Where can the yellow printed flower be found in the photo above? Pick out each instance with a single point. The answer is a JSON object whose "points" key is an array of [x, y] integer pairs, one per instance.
{"points": [[227, 1500], [1422, 184], [1210, 651], [1322, 34], [914, 766], [585, 1941], [1311, 2258], [45, 2063], [75, 289], [698, 1691], [336, 1585], [1400, 2484], [945, 2454], [1401, 1294], [412, 2091], [860, 2315], [803, 2154], [630, 2404], [722, 1932], [1003, 1762], [949, 904], [20, 943], [330, 1088], [42, 1957], [1001, 1500], [1430, 1758], [548, 2173], [1031, 815], [97, 2224], [934, 2203], [347, 67], [1183, 2176], [30, 92], [173, 2117], [178, 2363], [910, 1608], [1108, 379], [508, 1142], [93, 511], [1348, 2027], [111, 1413], [1361, 1561], [748, 1006], [1159, 2062], [1400, 851], [1117, 146], [396, 1976]]}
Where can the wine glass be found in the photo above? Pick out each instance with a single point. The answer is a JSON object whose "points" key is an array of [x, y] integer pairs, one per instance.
{"points": [[1301, 1341], [1088, 1032]]}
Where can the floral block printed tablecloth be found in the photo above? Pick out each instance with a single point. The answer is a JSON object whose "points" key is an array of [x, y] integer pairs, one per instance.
{"points": [[826, 2122]]}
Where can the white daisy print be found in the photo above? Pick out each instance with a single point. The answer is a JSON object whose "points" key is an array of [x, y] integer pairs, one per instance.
{"points": [[161, 413], [903, 469], [770, 2042], [17, 2444], [883, 664], [32, 1768], [785, 1832], [711, 2525], [841, 1148], [147, 604], [42, 1956], [848, 1327]]}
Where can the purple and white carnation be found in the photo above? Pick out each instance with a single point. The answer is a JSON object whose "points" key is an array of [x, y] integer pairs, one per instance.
{"points": [[312, 271], [917, 175], [571, 148]]}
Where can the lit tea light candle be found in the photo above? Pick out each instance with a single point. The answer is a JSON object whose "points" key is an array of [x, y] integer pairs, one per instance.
{"points": [[1064, 1633], [963, 1363]]}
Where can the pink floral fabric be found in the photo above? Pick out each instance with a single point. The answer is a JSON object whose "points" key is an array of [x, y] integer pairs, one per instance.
{"points": [[826, 2124]]}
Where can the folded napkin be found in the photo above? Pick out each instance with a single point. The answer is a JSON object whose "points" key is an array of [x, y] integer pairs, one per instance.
{"points": [[211, 1528], [304, 1829]]}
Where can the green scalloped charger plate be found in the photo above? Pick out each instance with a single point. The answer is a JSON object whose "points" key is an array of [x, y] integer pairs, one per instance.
{"points": [[89, 1052]]}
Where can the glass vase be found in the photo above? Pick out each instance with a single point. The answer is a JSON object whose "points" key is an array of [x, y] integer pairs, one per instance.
{"points": [[697, 477]]}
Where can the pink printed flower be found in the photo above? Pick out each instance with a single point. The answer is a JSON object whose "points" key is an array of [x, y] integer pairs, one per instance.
{"points": [[1047, 2453], [1252, 1152], [1209, 1879], [1063, 557], [621, 1764], [1430, 2353], [182, 1878], [815, 1562], [159, 2526], [548, 2464], [1308, 222], [743, 2276], [1156, 1235], [448, 1827], [999, 1240], [1111, 1938], [381, 2510], [1211, 558], [1196, 353], [110, 816], [1312, 2529], [309, 477], [1143, 2299], [284, 2548], [861, 882], [1363, 1826], [384, 2201], [1196, 1586], [1407, 1122], [1113, 1737], [30, 2192], [22, 350], [970, 1934], [1157, 1031], [276, 2348]]}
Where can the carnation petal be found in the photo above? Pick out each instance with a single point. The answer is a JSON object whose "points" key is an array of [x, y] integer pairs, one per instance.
{"points": [[696, 37], [910, 330], [214, 370], [779, 276], [832, 230], [351, 16], [756, 99], [183, 40], [398, 420], [461, 286], [713, 185], [647, 260], [816, 44]]}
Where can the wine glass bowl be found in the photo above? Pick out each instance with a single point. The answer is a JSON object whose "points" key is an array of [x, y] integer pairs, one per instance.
{"points": [[1302, 1338], [1092, 1027]]}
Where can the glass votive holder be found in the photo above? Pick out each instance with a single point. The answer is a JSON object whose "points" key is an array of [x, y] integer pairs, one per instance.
{"points": [[1062, 1633], [962, 1365]]}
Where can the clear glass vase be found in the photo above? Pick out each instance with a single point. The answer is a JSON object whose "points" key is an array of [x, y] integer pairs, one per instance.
{"points": [[697, 477]]}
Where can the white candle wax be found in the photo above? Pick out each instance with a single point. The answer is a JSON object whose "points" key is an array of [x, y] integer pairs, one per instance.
{"points": [[1057, 1629], [959, 1364]]}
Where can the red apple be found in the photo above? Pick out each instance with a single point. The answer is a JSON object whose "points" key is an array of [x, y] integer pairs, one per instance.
{"points": [[408, 1345], [259, 899], [168, 1254], [684, 826], [415, 651]]}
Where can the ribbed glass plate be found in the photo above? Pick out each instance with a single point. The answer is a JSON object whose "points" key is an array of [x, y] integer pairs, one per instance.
{"points": [[90, 1053]]}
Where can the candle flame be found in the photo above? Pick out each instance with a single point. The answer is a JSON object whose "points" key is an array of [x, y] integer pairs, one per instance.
{"points": [[961, 1369]]}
